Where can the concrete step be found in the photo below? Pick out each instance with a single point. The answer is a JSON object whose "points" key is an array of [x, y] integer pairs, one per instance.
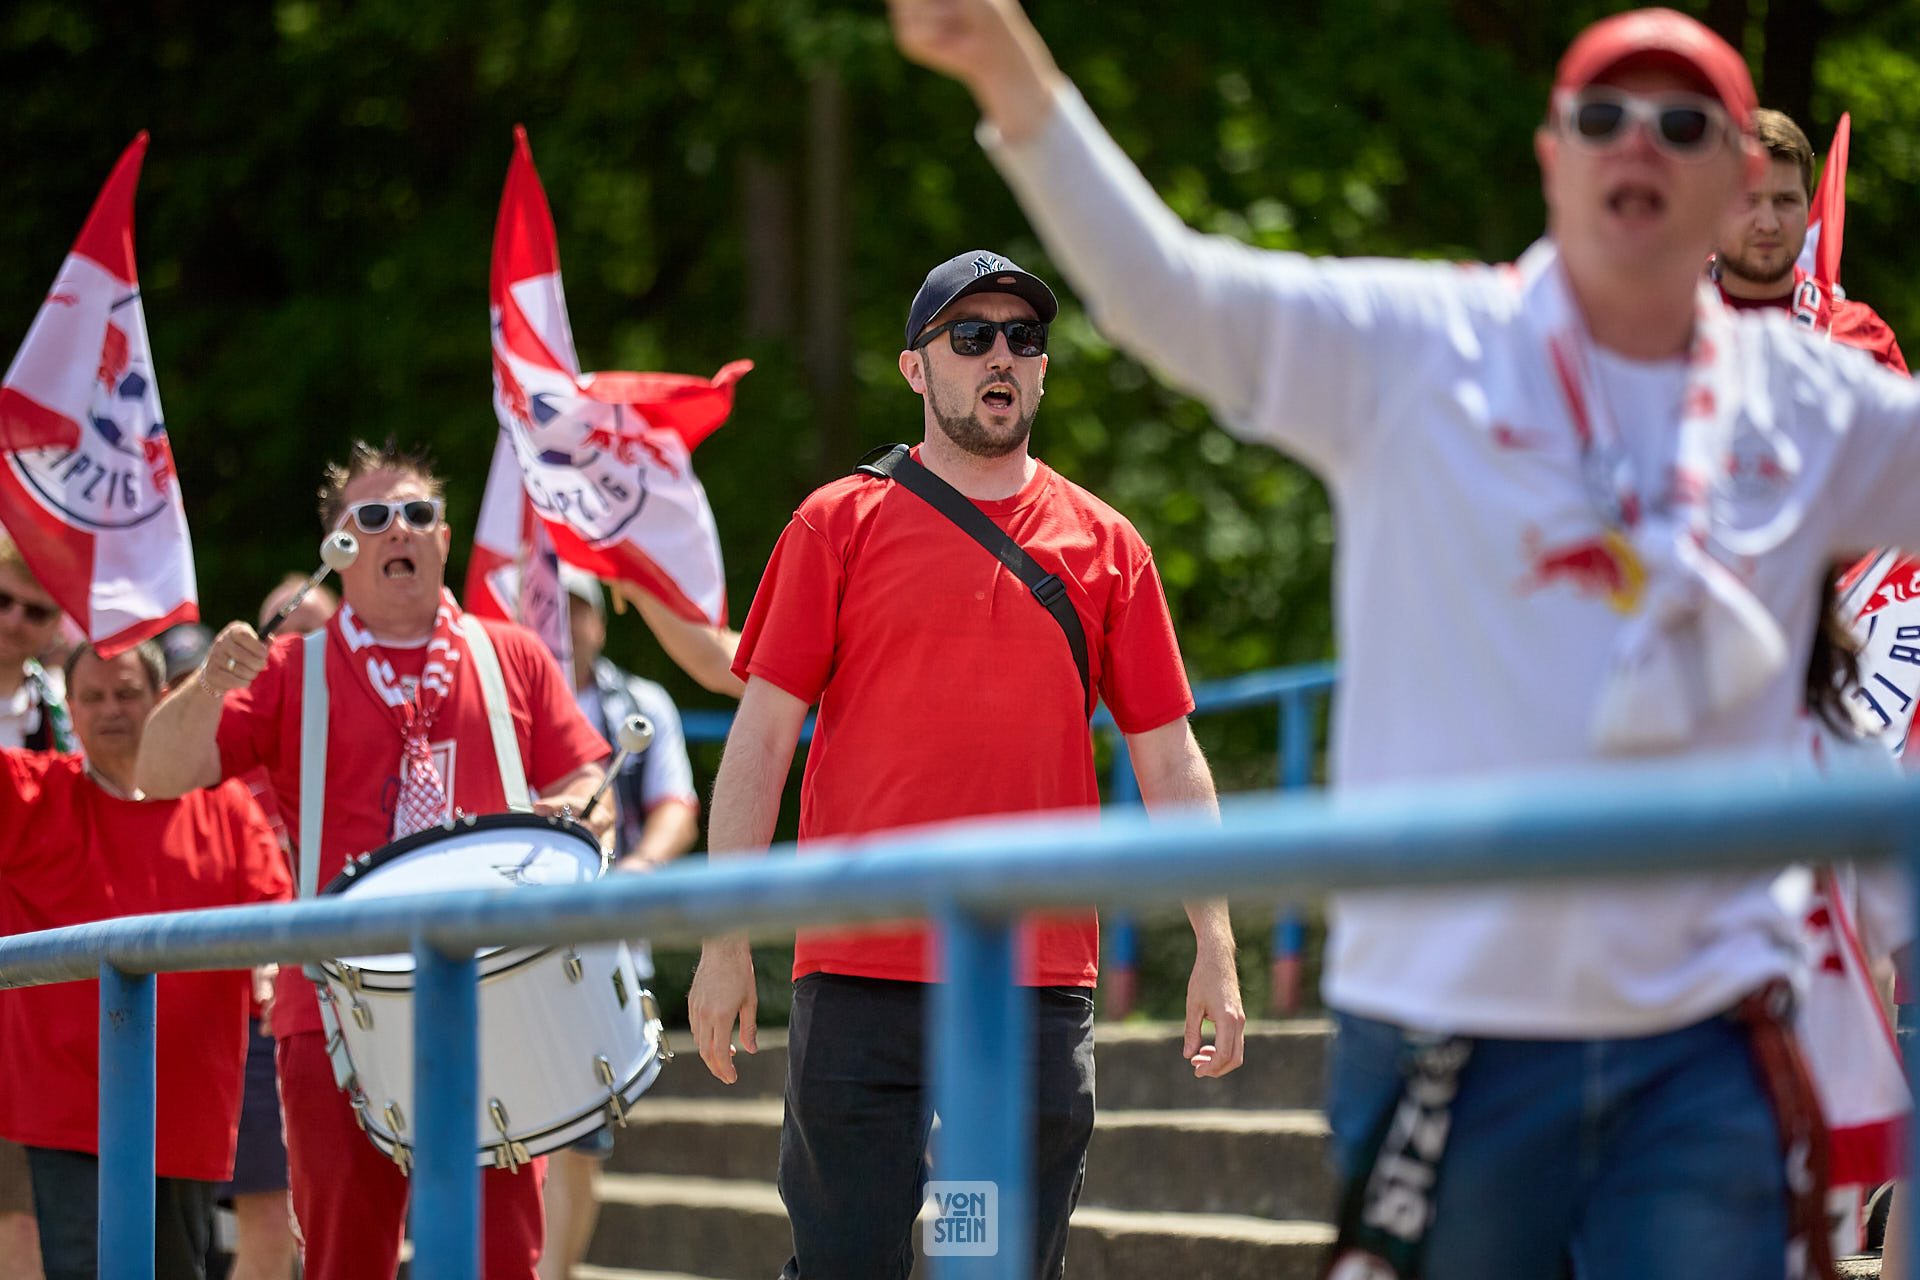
{"points": [[1137, 1067], [1257, 1164], [733, 1230], [1265, 1164]]}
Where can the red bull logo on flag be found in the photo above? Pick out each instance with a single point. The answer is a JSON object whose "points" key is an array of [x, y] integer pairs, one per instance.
{"points": [[1880, 598], [606, 459], [88, 489]]}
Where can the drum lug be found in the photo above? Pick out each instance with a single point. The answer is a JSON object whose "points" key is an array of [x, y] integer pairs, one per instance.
{"points": [[575, 970], [508, 1155], [616, 1105], [402, 1155], [650, 1012], [362, 1015]]}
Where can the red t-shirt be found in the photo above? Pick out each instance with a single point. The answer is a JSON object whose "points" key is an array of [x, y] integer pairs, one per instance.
{"points": [[946, 691], [260, 728], [1854, 323], [71, 853]]}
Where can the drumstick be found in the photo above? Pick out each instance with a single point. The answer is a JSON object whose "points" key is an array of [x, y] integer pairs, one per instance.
{"points": [[634, 736], [337, 553]]}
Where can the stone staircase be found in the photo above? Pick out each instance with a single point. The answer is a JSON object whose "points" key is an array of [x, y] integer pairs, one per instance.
{"points": [[1219, 1179]]}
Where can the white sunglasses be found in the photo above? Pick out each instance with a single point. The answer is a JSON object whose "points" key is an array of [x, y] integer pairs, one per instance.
{"points": [[1686, 126], [374, 517]]}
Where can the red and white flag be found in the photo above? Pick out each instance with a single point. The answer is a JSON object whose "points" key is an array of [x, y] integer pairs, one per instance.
{"points": [[1826, 221], [1880, 602], [514, 572], [606, 458], [87, 483]]}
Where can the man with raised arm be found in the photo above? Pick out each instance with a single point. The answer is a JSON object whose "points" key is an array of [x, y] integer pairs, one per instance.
{"points": [[947, 689], [409, 741], [1541, 567]]}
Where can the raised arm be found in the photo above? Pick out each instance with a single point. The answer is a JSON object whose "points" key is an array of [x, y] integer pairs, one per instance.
{"points": [[1294, 351], [746, 805], [1184, 302], [702, 650], [1174, 777], [178, 751]]}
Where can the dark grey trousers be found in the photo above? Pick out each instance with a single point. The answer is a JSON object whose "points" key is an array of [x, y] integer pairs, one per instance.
{"points": [[66, 1200], [853, 1149]]}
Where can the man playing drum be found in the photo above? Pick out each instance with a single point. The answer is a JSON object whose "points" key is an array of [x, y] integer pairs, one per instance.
{"points": [[406, 675]]}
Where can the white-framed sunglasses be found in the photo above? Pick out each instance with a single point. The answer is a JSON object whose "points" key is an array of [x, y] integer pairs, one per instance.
{"points": [[1687, 126], [374, 517]]}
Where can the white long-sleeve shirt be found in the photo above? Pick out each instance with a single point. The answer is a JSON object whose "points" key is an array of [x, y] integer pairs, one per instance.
{"points": [[1476, 609]]}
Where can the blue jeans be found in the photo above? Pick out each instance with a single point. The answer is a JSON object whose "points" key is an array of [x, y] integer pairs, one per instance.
{"points": [[1652, 1158]]}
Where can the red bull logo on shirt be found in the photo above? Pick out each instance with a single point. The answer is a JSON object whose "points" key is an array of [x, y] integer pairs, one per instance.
{"points": [[1605, 566]]}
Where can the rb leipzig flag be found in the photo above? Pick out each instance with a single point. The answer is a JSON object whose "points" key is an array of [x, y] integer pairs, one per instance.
{"points": [[1826, 221], [87, 483], [606, 458], [514, 572]]}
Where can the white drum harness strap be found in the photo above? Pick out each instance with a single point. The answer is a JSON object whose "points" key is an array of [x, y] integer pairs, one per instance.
{"points": [[314, 708]]}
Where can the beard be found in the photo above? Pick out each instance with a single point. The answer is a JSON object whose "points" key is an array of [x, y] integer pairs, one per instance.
{"points": [[1757, 270], [973, 436]]}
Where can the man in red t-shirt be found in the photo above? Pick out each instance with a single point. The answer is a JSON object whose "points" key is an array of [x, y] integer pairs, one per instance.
{"points": [[946, 690], [409, 741], [78, 843], [1755, 264]]}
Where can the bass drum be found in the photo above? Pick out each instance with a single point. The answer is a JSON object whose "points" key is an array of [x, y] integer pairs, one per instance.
{"points": [[569, 1037]]}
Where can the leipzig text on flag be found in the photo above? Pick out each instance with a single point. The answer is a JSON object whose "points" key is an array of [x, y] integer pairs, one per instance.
{"points": [[87, 483], [606, 458]]}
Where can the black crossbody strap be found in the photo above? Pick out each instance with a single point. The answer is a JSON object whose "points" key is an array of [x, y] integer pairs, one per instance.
{"points": [[895, 462]]}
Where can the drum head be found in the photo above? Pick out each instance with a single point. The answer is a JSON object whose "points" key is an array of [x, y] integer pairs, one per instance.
{"points": [[497, 851]]}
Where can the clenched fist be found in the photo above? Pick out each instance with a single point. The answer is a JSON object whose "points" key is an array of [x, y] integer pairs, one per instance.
{"points": [[236, 656], [987, 45]]}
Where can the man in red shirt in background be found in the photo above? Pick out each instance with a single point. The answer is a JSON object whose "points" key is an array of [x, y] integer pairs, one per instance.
{"points": [[78, 843], [1761, 243], [945, 691], [409, 740]]}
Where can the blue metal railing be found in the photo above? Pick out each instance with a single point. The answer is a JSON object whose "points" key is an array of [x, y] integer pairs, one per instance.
{"points": [[973, 880]]}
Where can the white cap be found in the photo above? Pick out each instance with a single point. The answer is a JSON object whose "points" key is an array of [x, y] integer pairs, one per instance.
{"points": [[583, 585]]}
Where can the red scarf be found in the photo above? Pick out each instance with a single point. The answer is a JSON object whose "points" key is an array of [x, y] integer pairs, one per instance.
{"points": [[1648, 702], [423, 792]]}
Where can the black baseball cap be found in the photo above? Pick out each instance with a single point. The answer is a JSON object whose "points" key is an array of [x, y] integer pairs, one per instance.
{"points": [[977, 271]]}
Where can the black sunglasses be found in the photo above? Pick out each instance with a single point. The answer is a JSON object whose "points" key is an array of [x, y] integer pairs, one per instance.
{"points": [[37, 614], [374, 517], [975, 337]]}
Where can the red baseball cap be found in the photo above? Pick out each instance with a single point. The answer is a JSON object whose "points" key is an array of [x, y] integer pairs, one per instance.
{"points": [[1661, 37]]}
